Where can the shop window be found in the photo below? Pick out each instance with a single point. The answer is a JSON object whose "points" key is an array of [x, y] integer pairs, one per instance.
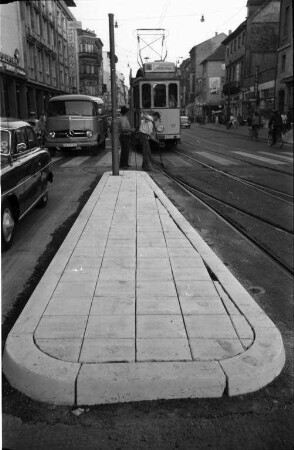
{"points": [[146, 95]]}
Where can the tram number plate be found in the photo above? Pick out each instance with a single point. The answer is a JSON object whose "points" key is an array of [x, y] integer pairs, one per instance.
{"points": [[68, 145]]}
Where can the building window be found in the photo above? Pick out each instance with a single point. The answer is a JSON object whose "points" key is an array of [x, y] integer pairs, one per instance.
{"points": [[286, 21], [243, 38], [31, 60], [239, 41], [238, 72], [37, 23], [47, 68], [223, 66], [40, 65], [283, 65], [231, 47], [60, 47], [53, 68], [28, 15], [65, 51], [61, 73]]}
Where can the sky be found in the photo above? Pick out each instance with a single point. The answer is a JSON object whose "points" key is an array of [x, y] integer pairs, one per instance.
{"points": [[180, 20]]}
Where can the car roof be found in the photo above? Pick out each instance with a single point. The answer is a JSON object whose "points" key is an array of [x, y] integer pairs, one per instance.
{"points": [[11, 123], [76, 97]]}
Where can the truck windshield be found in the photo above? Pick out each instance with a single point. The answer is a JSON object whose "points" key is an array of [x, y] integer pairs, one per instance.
{"points": [[72, 108]]}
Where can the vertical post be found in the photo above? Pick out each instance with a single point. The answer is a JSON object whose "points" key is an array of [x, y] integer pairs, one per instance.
{"points": [[114, 128]]}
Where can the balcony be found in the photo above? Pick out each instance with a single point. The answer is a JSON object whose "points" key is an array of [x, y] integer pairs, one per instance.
{"points": [[231, 88]]}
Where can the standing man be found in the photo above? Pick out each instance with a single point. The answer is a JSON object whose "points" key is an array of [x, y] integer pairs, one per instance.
{"points": [[146, 130], [124, 129]]}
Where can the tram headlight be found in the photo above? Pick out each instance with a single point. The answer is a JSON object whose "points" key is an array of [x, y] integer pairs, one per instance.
{"points": [[89, 133], [51, 134], [160, 128]]}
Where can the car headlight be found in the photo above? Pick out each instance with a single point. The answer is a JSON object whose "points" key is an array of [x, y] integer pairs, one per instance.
{"points": [[51, 134], [89, 133], [160, 128]]}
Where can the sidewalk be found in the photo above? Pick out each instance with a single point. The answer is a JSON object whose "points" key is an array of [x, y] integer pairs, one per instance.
{"points": [[243, 131], [128, 311]]}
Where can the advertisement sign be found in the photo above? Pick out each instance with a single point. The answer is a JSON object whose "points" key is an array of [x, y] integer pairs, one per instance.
{"points": [[214, 85]]}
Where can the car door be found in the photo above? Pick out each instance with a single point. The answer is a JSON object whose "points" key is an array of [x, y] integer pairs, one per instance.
{"points": [[33, 164]]}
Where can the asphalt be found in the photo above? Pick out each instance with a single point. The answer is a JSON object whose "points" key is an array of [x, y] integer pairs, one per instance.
{"points": [[136, 306], [242, 130]]}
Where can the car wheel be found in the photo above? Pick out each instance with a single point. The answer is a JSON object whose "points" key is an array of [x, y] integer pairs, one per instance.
{"points": [[7, 225], [43, 201]]}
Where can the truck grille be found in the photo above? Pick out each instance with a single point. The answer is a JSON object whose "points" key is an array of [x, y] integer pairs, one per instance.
{"points": [[70, 134]]}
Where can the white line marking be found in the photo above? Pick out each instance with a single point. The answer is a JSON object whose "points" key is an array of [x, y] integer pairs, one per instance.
{"points": [[219, 159], [284, 157], [77, 161], [261, 158]]}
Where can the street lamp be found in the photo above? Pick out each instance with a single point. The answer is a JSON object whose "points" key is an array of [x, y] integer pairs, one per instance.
{"points": [[114, 128]]}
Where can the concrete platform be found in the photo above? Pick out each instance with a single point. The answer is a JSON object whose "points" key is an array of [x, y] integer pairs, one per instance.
{"points": [[136, 306]]}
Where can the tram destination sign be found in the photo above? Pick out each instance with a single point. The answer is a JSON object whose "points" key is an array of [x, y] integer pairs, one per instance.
{"points": [[160, 66]]}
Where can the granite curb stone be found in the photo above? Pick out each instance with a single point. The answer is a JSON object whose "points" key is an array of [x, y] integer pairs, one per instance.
{"points": [[247, 351]]}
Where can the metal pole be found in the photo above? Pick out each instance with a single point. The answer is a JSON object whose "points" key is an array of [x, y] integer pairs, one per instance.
{"points": [[114, 127]]}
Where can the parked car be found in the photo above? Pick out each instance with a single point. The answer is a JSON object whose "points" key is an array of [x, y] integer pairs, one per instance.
{"points": [[185, 122], [25, 173]]}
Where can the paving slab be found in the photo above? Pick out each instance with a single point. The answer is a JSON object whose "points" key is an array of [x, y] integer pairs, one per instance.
{"points": [[127, 310]]}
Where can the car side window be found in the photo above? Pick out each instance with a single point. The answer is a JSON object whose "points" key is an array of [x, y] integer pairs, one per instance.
{"points": [[19, 138], [32, 142]]}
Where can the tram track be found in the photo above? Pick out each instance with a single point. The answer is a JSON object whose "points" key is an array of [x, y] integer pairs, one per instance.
{"points": [[257, 186], [233, 157], [230, 214]]}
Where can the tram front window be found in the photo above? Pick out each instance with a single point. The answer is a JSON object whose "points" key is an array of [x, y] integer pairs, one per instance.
{"points": [[172, 95], [159, 92], [146, 95]]}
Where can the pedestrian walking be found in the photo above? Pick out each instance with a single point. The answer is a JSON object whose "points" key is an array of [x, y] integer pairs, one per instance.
{"points": [[146, 132], [125, 131], [41, 128], [284, 118], [275, 126], [255, 124]]}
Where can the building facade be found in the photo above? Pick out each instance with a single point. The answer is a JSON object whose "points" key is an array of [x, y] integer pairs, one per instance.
{"points": [[197, 54], [185, 69], [235, 45], [260, 64], [90, 63], [284, 79], [35, 62], [213, 76]]}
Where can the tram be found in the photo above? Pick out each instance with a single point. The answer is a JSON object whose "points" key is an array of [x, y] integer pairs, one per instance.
{"points": [[156, 87]]}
